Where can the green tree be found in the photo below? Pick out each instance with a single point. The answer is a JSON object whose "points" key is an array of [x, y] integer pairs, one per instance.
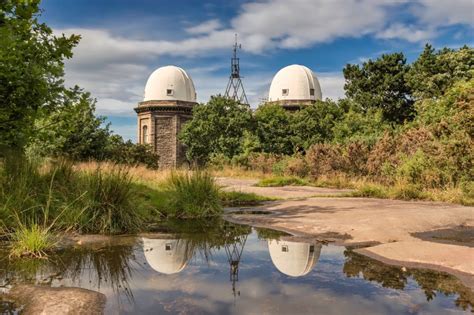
{"points": [[72, 129], [273, 129], [31, 70], [314, 123], [358, 125], [216, 128], [434, 72], [381, 84]]}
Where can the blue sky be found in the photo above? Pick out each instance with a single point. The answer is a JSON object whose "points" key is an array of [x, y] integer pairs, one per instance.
{"points": [[123, 41]]}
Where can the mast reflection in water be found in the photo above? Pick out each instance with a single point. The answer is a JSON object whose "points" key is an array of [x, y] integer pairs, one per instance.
{"points": [[186, 268]]}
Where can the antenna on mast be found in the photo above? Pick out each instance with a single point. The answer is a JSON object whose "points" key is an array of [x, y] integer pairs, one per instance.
{"points": [[235, 88]]}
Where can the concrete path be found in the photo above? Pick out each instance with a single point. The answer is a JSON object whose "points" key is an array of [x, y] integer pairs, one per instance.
{"points": [[373, 221]]}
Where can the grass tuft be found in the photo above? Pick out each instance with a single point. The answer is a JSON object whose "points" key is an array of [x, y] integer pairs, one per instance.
{"points": [[279, 181], [32, 241], [192, 194]]}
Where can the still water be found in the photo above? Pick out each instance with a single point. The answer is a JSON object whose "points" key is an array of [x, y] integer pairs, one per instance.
{"points": [[217, 267]]}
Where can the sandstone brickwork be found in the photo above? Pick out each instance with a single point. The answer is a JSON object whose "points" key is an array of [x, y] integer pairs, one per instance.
{"points": [[162, 121]]}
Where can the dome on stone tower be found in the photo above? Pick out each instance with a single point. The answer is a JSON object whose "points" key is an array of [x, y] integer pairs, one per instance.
{"points": [[170, 83], [295, 83], [166, 256], [294, 259]]}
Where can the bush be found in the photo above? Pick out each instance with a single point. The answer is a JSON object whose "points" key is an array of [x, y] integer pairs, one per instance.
{"points": [[192, 195], [323, 159], [296, 166], [263, 162]]}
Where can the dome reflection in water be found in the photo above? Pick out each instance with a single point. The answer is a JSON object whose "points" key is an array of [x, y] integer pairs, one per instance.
{"points": [[294, 259], [215, 267]]}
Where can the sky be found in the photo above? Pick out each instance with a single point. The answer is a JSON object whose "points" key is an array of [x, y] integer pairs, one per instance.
{"points": [[124, 41]]}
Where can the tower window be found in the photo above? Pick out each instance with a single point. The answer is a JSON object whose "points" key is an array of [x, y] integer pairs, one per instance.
{"points": [[168, 246], [169, 92], [285, 92], [284, 248], [311, 92], [145, 134], [311, 248]]}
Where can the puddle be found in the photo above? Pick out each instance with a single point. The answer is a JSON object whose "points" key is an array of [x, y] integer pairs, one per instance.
{"points": [[216, 267]]}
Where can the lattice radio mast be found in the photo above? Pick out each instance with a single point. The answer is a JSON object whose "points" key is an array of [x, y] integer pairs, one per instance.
{"points": [[235, 88]]}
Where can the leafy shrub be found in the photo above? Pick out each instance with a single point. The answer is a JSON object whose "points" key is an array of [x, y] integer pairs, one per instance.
{"points": [[296, 166], [323, 159], [263, 162]]}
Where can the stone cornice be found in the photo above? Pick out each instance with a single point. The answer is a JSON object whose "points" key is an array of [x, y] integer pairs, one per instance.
{"points": [[165, 106]]}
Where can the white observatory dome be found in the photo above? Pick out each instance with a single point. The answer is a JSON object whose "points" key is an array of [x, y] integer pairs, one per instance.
{"points": [[293, 83], [170, 83], [294, 259], [166, 256]]}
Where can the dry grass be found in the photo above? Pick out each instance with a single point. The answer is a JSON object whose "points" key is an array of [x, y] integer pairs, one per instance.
{"points": [[141, 174], [239, 172]]}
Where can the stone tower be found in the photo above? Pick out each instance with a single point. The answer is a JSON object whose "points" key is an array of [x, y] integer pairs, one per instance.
{"points": [[167, 105]]}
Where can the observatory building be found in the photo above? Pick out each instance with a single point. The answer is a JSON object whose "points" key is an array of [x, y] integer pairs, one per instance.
{"points": [[166, 256], [293, 86], [294, 259], [167, 105]]}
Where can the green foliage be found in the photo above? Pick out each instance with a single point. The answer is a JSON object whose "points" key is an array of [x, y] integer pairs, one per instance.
{"points": [[72, 130], [314, 124], [216, 128], [434, 72], [358, 125], [31, 70], [129, 153], [192, 195], [381, 84], [273, 129]]}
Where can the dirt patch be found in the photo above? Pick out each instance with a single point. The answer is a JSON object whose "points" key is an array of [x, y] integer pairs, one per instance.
{"points": [[459, 235], [46, 300]]}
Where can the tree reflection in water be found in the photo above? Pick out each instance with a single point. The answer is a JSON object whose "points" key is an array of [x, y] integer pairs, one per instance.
{"points": [[113, 265], [431, 282], [109, 264]]}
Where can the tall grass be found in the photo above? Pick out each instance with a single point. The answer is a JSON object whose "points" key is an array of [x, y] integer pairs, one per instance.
{"points": [[110, 203], [192, 194]]}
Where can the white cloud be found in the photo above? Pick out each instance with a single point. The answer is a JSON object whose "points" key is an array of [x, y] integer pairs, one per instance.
{"points": [[442, 12], [407, 32], [206, 27]]}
